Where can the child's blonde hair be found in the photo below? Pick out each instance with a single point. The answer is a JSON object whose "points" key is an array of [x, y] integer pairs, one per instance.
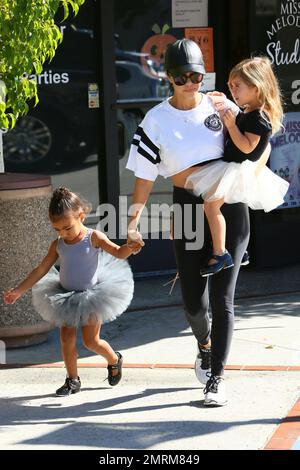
{"points": [[63, 201], [258, 72]]}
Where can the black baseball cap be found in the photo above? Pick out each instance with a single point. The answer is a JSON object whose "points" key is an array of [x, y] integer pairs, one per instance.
{"points": [[183, 56]]}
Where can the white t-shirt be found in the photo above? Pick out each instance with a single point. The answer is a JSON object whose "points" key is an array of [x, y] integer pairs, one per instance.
{"points": [[169, 140]]}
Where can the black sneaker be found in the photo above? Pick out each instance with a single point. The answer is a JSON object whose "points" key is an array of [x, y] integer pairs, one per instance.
{"points": [[246, 259], [115, 379], [69, 387], [203, 364], [215, 392]]}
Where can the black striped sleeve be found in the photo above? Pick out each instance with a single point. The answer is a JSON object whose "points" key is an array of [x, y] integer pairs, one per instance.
{"points": [[146, 147]]}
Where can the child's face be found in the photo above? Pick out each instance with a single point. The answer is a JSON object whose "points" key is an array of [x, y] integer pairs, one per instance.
{"points": [[242, 93], [69, 226]]}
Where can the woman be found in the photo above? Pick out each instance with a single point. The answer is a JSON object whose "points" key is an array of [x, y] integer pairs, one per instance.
{"points": [[174, 136]]}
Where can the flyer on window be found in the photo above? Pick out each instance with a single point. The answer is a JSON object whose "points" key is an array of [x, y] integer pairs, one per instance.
{"points": [[189, 13], [204, 38], [285, 157]]}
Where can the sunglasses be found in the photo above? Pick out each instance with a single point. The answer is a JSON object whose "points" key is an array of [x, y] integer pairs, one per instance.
{"points": [[195, 78]]}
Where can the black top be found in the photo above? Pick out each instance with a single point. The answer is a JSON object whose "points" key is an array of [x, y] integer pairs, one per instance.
{"points": [[252, 122]]}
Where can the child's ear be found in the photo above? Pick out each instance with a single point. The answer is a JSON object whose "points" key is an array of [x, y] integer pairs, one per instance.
{"points": [[82, 216]]}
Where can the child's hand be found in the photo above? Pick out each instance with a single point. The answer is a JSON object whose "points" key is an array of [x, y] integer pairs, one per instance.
{"points": [[11, 296], [229, 118], [135, 241], [135, 237], [135, 247]]}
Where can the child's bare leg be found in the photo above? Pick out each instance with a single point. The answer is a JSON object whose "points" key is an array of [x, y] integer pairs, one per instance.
{"points": [[217, 225], [69, 351], [92, 341]]}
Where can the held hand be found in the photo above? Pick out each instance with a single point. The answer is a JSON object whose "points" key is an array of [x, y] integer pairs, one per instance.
{"points": [[11, 296], [229, 118], [136, 237], [135, 241], [135, 247]]}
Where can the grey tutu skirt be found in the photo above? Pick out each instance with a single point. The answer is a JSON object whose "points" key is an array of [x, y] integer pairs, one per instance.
{"points": [[104, 302]]}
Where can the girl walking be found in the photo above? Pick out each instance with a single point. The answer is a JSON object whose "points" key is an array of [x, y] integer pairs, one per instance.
{"points": [[93, 286], [238, 177]]}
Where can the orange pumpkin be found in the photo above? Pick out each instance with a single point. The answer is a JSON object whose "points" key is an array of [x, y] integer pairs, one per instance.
{"points": [[155, 49]]}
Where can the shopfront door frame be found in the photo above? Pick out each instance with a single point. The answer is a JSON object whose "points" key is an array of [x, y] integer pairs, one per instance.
{"points": [[109, 185]]}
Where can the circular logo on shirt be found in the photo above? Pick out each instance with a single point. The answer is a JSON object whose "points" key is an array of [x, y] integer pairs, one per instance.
{"points": [[213, 123]]}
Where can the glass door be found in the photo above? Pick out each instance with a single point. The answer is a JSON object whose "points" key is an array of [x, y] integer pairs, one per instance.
{"points": [[142, 33]]}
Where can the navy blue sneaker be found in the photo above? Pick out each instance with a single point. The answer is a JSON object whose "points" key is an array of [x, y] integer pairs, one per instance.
{"points": [[222, 262], [246, 259]]}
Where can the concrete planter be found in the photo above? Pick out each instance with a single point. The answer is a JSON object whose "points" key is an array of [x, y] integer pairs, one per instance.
{"points": [[25, 236]]}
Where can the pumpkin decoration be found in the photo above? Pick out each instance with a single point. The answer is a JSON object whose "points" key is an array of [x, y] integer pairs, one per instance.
{"points": [[155, 48]]}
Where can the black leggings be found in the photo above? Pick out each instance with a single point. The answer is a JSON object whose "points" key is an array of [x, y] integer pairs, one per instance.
{"points": [[220, 295]]}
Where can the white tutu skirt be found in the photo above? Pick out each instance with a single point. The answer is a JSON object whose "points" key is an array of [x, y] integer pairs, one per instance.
{"points": [[104, 302], [237, 182]]}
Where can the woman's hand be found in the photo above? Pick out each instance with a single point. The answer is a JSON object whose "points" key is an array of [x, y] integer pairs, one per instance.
{"points": [[11, 296]]}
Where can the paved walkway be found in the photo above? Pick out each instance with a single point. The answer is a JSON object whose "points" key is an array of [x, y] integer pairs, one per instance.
{"points": [[159, 403]]}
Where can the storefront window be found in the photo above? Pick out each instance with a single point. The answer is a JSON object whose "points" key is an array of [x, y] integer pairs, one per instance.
{"points": [[59, 136], [276, 33], [143, 30], [142, 33]]}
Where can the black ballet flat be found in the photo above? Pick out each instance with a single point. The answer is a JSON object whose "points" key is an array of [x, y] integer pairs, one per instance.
{"points": [[223, 262], [69, 387], [115, 379]]}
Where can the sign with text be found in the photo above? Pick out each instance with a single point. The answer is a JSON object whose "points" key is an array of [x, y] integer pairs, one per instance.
{"points": [[283, 49], [93, 95], [285, 157], [189, 13], [275, 33], [204, 38]]}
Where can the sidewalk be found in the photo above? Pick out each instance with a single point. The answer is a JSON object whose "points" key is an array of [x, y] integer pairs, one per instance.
{"points": [[159, 403]]}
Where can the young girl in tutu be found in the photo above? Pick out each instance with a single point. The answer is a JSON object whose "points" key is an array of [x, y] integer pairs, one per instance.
{"points": [[94, 285], [238, 177]]}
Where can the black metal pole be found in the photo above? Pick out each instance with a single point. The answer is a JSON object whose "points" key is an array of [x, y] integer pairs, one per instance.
{"points": [[108, 152]]}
